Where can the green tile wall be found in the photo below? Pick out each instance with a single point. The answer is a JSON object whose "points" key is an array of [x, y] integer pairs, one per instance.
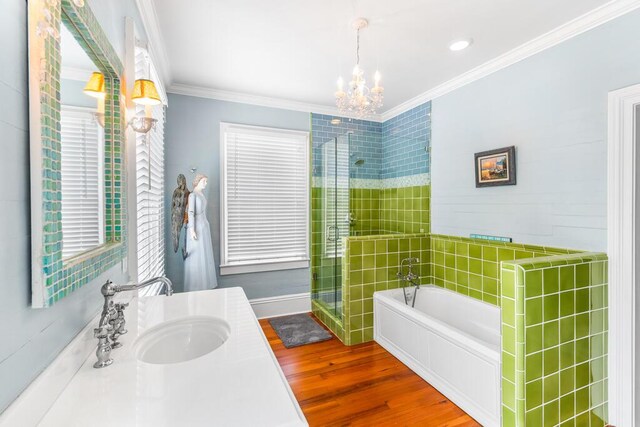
{"points": [[370, 264], [364, 203], [329, 319], [406, 209], [554, 341], [472, 266]]}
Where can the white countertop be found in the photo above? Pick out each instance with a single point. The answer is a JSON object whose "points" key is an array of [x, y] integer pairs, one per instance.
{"points": [[238, 384]]}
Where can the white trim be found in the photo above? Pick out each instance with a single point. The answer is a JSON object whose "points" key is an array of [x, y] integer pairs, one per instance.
{"points": [[33, 404], [621, 194], [130, 33], [281, 305], [263, 101], [577, 26], [155, 41], [266, 266]]}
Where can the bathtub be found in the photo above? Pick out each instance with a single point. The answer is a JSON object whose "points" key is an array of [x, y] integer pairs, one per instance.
{"points": [[452, 341]]}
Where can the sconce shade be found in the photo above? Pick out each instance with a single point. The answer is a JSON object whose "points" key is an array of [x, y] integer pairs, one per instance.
{"points": [[145, 93], [95, 86]]}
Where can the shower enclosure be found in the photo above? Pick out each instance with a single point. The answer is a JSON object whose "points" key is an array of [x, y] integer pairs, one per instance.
{"points": [[331, 221]]}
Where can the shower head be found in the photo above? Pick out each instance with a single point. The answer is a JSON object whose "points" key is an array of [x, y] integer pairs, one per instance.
{"points": [[359, 162]]}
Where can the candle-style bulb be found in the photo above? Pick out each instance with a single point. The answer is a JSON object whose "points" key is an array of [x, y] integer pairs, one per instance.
{"points": [[377, 77], [340, 83]]}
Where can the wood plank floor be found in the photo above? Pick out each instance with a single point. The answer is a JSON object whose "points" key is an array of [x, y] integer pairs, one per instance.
{"points": [[362, 385]]}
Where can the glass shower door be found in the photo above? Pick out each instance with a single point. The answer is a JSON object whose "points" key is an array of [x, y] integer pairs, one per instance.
{"points": [[335, 218]]}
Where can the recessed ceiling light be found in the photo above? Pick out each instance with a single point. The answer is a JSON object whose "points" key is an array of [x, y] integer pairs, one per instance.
{"points": [[336, 121], [460, 44]]}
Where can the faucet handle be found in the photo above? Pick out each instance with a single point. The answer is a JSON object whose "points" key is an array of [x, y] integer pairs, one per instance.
{"points": [[103, 351], [120, 306], [102, 332]]}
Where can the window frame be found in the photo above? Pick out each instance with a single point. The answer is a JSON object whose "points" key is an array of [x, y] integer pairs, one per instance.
{"points": [[150, 269], [266, 265]]}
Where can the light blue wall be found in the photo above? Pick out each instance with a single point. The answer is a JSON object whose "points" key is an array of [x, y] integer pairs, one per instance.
{"points": [[71, 93], [192, 138], [553, 108], [30, 339]]}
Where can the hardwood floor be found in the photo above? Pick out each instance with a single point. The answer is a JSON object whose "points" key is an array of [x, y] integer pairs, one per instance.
{"points": [[362, 385]]}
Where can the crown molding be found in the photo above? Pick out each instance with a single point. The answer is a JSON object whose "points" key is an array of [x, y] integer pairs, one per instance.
{"points": [[577, 26], [155, 42], [263, 101]]}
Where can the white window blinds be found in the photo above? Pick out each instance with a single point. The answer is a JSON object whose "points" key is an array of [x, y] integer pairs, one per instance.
{"points": [[265, 184], [82, 181], [150, 185]]}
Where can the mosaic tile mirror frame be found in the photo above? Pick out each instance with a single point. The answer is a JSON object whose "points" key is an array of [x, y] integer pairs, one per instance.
{"points": [[52, 277]]}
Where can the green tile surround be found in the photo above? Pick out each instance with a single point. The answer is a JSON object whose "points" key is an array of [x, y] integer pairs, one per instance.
{"points": [[472, 266], [554, 341], [328, 318], [364, 203], [554, 313], [406, 209], [370, 264]]}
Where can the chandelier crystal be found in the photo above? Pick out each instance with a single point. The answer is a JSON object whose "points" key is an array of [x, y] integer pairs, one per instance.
{"points": [[359, 100]]}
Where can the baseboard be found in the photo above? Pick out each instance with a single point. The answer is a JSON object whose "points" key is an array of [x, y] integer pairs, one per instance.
{"points": [[281, 305], [35, 401]]}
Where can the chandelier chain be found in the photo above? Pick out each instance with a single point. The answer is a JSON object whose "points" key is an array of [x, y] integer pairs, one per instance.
{"points": [[358, 47]]}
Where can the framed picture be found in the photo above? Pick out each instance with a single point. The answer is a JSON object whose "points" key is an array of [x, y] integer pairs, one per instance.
{"points": [[496, 167]]}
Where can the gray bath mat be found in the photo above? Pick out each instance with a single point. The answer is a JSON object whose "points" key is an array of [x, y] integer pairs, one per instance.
{"points": [[298, 329]]}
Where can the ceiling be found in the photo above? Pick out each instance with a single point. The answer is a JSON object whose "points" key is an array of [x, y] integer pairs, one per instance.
{"points": [[296, 49]]}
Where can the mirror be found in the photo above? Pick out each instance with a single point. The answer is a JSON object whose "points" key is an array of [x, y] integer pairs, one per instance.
{"points": [[82, 149], [78, 228]]}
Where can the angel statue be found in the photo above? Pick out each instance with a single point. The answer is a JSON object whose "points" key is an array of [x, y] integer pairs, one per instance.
{"points": [[199, 267], [178, 209]]}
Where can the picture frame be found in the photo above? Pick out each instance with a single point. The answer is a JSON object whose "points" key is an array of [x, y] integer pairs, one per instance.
{"points": [[495, 168]]}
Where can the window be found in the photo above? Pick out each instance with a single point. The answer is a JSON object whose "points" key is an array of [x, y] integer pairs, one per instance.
{"points": [[150, 186], [264, 198], [82, 170]]}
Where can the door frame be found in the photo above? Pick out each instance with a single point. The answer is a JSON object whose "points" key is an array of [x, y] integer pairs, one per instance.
{"points": [[621, 226]]}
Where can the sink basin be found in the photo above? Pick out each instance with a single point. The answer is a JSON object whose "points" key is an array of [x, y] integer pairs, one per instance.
{"points": [[181, 340]]}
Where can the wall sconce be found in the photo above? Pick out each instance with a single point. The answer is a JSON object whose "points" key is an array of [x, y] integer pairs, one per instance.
{"points": [[144, 93], [95, 89]]}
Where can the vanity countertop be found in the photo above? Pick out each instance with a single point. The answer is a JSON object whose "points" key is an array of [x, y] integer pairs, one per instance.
{"points": [[238, 384]]}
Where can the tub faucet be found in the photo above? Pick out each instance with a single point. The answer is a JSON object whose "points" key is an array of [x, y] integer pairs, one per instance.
{"points": [[410, 277], [112, 321]]}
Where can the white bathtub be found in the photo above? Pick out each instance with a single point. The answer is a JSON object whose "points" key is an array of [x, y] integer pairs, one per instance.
{"points": [[450, 340]]}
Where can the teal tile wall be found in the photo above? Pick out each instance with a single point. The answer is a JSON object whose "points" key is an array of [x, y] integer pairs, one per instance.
{"points": [[554, 341]]}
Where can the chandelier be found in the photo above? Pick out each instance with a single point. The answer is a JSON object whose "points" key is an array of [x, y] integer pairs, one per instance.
{"points": [[359, 100]]}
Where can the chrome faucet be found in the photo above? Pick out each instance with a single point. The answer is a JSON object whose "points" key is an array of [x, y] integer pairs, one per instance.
{"points": [[112, 321], [410, 277]]}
